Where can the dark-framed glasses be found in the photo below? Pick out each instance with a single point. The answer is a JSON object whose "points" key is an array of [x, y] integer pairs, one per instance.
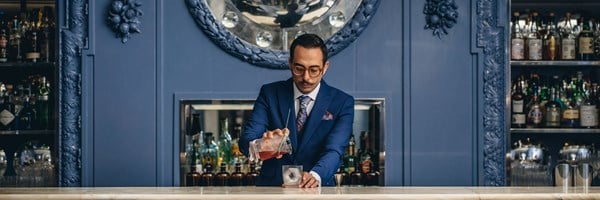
{"points": [[312, 71]]}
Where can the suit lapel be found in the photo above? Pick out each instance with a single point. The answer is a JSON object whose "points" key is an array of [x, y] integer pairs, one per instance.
{"points": [[286, 104], [321, 104]]}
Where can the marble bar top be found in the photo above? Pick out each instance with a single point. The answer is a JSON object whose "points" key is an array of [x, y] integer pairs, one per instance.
{"points": [[278, 193]]}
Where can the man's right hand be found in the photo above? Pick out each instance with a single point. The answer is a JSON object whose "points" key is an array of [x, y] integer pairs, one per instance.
{"points": [[278, 134]]}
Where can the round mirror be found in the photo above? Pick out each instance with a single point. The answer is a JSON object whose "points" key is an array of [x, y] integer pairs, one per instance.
{"points": [[261, 31]]}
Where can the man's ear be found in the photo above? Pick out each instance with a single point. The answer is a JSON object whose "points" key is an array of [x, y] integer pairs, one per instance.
{"points": [[325, 66]]}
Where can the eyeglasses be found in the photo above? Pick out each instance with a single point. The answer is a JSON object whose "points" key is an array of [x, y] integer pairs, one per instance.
{"points": [[312, 71]]}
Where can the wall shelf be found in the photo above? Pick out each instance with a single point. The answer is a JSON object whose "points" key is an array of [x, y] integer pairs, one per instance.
{"points": [[553, 130]]}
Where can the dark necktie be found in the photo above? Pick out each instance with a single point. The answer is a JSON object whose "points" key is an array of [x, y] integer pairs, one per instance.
{"points": [[302, 114]]}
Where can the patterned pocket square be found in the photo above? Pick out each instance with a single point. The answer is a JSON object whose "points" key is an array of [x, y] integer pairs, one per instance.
{"points": [[327, 116]]}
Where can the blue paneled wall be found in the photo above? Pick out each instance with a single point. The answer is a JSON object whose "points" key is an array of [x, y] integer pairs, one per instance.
{"points": [[430, 87]]}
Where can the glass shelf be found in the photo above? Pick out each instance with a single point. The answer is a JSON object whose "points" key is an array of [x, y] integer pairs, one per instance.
{"points": [[28, 132], [554, 130], [555, 63]]}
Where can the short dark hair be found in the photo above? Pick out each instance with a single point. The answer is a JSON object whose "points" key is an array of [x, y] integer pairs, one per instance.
{"points": [[309, 41]]}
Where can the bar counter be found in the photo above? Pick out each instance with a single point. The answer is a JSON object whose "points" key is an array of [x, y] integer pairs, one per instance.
{"points": [[277, 193]]}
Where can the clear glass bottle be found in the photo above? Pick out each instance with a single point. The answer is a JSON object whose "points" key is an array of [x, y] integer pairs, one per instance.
{"points": [[3, 40], [7, 110], [567, 39], [588, 110], [586, 41], [534, 40], [224, 144], [15, 52], [552, 110], [517, 42], [209, 151]]}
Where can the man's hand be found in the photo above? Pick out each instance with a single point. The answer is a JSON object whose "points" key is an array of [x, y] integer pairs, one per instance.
{"points": [[308, 181], [278, 134]]}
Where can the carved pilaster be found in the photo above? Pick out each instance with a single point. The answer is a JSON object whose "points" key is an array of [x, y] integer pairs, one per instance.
{"points": [[69, 91]]}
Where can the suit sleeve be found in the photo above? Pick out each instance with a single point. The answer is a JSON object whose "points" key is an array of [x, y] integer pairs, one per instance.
{"points": [[336, 142], [258, 122]]}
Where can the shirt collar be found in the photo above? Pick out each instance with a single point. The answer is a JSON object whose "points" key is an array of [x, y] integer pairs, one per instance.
{"points": [[312, 95]]}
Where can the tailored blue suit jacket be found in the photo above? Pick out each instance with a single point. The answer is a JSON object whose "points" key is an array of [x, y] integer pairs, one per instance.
{"points": [[323, 141]]}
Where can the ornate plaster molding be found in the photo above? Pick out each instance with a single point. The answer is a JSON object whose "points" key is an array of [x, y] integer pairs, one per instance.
{"points": [[71, 42], [440, 15], [123, 18], [272, 58], [491, 37]]}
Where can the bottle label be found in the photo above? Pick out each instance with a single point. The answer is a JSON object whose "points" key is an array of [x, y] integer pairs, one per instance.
{"points": [[517, 49], [552, 116], [535, 49], [568, 49], [589, 115], [535, 115], [571, 114], [518, 118], [517, 106], [586, 45], [6, 117]]}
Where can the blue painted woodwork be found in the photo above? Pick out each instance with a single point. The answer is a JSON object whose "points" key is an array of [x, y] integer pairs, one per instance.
{"points": [[444, 97], [274, 58]]}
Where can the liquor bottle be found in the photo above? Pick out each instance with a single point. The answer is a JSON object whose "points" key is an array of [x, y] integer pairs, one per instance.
{"points": [[222, 178], [549, 43], [3, 40], [237, 177], [15, 51], [192, 178], [350, 155], [586, 39], [47, 35], [42, 105], [356, 175], [7, 111], [534, 112], [517, 43], [32, 53], [251, 176], [209, 151], [518, 117], [26, 116], [567, 39], [570, 116], [588, 111], [371, 177], [366, 154], [534, 40], [224, 144], [552, 110], [208, 177]]}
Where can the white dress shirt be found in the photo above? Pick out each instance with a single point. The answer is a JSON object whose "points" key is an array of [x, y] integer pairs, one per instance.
{"points": [[311, 103]]}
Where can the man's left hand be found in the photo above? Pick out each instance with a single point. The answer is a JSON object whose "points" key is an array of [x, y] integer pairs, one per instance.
{"points": [[308, 181]]}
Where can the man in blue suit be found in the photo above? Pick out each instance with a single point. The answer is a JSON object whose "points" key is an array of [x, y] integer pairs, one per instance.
{"points": [[320, 123]]}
